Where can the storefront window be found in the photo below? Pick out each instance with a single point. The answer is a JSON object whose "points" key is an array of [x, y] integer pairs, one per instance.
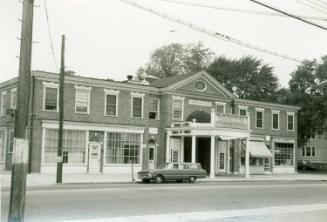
{"points": [[284, 154], [74, 146], [123, 148], [2, 146]]}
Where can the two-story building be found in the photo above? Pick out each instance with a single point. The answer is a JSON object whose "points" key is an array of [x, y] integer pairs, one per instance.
{"points": [[110, 126]]}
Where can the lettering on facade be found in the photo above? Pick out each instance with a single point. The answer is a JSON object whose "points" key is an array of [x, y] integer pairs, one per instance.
{"points": [[153, 130], [199, 103]]}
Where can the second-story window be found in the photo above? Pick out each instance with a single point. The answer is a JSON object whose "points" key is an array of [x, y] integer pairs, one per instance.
{"points": [[82, 99], [275, 120], [243, 110], [290, 121], [13, 100], [3, 103], [111, 102], [51, 98], [178, 108], [259, 118], [154, 109], [137, 105]]}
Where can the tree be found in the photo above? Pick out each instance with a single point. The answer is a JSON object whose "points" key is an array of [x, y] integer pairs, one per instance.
{"points": [[307, 91], [253, 79], [178, 59]]}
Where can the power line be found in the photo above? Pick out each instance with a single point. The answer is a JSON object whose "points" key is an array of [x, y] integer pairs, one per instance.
{"points": [[241, 10], [50, 36], [312, 7], [211, 33], [288, 14]]}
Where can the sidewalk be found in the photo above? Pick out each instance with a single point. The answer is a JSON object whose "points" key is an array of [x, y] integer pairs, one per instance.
{"points": [[36, 179]]}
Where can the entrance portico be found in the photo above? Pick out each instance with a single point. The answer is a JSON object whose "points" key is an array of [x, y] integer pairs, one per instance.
{"points": [[222, 128]]}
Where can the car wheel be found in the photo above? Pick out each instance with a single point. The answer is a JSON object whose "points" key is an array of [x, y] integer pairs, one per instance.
{"points": [[145, 181], [158, 179], [192, 179]]}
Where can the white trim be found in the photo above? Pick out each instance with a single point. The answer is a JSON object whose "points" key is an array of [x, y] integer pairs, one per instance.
{"points": [[3, 103], [141, 96], [112, 93], [273, 112], [290, 114], [85, 89], [95, 127], [220, 104], [135, 94], [263, 118], [182, 99], [5, 143], [9, 132], [259, 109], [242, 107], [11, 98], [52, 86], [43, 145]]}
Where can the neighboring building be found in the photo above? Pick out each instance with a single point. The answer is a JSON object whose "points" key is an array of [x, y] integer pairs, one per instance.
{"points": [[109, 125], [315, 151]]}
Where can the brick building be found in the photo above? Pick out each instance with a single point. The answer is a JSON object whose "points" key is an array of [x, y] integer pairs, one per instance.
{"points": [[109, 125]]}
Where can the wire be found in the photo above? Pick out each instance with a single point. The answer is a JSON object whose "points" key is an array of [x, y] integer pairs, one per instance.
{"points": [[310, 6], [211, 33], [288, 14], [50, 36], [241, 10]]}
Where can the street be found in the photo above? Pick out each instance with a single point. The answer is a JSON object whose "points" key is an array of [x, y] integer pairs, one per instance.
{"points": [[241, 201]]}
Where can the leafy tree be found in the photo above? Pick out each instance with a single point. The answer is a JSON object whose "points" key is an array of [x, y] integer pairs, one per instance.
{"points": [[307, 91], [178, 59], [253, 79]]}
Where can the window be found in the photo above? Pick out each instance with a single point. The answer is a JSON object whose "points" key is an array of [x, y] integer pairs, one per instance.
{"points": [[308, 151], [284, 154], [74, 146], [221, 161], [13, 100], [259, 118], [3, 103], [220, 108], [82, 99], [290, 121], [174, 156], [178, 108], [275, 120], [11, 141], [154, 109], [137, 107], [51, 99], [243, 110], [313, 151], [123, 148], [2, 146], [303, 151], [111, 102]]}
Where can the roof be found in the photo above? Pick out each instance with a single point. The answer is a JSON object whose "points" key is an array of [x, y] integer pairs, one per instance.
{"points": [[162, 83]]}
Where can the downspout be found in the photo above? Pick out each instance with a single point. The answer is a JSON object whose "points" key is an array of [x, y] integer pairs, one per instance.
{"points": [[31, 127]]}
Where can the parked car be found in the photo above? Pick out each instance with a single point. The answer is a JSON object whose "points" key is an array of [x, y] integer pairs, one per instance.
{"points": [[305, 165], [174, 171]]}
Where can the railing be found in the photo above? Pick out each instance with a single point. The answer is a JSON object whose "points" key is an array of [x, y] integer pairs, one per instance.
{"points": [[231, 121]]}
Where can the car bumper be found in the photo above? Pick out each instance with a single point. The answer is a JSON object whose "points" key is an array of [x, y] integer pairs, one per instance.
{"points": [[144, 177]]}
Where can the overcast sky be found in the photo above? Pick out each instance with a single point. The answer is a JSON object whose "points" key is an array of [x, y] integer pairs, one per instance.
{"points": [[110, 39]]}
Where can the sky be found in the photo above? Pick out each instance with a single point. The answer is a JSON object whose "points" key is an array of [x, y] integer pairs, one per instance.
{"points": [[110, 39]]}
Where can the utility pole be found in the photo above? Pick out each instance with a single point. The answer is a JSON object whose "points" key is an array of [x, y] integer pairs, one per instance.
{"points": [[19, 166], [61, 111]]}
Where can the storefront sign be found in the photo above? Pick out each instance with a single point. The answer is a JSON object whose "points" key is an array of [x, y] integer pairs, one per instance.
{"points": [[199, 103], [153, 130], [20, 151]]}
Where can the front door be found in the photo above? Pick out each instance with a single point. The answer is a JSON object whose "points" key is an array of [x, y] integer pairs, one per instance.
{"points": [[221, 157], [94, 157], [152, 157]]}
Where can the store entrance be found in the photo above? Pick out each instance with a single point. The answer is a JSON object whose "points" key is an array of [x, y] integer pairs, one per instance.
{"points": [[203, 153]]}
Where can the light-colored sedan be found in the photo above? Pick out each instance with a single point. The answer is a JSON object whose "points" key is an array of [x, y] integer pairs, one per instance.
{"points": [[174, 171]]}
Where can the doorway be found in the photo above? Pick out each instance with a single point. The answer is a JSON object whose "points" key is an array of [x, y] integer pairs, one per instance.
{"points": [[203, 153], [94, 157]]}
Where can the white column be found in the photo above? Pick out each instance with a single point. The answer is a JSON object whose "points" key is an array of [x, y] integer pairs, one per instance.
{"points": [[227, 157], [168, 148], [193, 148], [212, 157], [212, 120], [247, 159], [182, 149]]}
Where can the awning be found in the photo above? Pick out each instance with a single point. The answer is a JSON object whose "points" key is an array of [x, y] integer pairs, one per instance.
{"points": [[259, 149], [229, 137]]}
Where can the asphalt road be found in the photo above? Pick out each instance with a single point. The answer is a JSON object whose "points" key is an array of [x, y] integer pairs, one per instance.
{"points": [[228, 202]]}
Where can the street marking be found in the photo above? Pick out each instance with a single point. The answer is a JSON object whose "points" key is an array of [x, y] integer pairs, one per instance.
{"points": [[156, 188], [212, 215]]}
